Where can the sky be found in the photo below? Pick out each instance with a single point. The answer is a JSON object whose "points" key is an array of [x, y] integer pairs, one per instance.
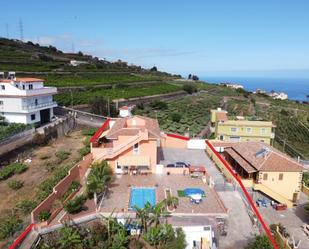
{"points": [[204, 37]]}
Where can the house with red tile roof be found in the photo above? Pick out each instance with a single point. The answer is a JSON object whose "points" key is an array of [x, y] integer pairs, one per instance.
{"points": [[129, 144], [266, 169]]}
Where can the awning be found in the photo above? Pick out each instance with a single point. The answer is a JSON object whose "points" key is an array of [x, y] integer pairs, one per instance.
{"points": [[240, 161], [134, 161]]}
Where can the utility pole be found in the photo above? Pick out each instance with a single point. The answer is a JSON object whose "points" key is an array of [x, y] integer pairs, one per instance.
{"points": [[21, 30], [72, 99]]}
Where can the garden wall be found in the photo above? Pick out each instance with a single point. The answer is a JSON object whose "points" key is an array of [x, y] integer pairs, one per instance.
{"points": [[77, 172], [174, 141], [219, 164], [305, 189]]}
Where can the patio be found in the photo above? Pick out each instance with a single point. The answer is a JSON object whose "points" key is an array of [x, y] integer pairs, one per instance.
{"points": [[119, 192]]}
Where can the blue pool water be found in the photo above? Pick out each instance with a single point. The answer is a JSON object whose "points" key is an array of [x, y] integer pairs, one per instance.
{"points": [[140, 196]]}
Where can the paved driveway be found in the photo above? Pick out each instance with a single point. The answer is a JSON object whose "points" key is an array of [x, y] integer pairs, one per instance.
{"points": [[240, 228]]}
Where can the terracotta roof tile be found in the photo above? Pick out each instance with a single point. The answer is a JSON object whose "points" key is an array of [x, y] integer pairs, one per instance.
{"points": [[269, 160], [221, 116]]}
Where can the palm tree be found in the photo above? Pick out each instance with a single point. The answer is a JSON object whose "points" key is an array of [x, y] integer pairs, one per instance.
{"points": [[157, 212], [69, 238], [172, 201], [98, 178], [143, 215]]}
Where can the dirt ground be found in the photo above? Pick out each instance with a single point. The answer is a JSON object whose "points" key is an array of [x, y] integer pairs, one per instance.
{"points": [[38, 169]]}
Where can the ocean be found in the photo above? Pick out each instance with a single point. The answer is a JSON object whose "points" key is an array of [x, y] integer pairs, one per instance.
{"points": [[296, 88]]}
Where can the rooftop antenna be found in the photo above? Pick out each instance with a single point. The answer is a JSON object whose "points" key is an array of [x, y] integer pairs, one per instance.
{"points": [[7, 30], [21, 30]]}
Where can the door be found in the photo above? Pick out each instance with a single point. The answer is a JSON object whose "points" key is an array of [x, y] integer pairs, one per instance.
{"points": [[45, 116]]}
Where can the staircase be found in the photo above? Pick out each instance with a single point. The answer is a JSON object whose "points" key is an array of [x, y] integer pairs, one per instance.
{"points": [[279, 198], [109, 153]]}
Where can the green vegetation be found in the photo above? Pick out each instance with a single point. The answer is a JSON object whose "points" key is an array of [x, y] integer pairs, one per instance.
{"points": [[7, 130], [44, 215], [260, 242], [26, 206], [72, 188], [190, 88], [8, 226], [63, 154], [83, 79], [85, 97], [75, 205], [15, 184], [108, 233], [306, 178], [99, 177], [182, 116], [11, 169]]}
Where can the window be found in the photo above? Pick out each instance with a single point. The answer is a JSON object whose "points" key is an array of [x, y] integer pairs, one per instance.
{"points": [[1, 102], [263, 130], [16, 85], [135, 149], [32, 116], [2, 87], [23, 87], [30, 87], [36, 101], [233, 129], [280, 176], [221, 137], [249, 130], [265, 176]]}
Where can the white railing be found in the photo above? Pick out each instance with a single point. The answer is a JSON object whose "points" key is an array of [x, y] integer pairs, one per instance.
{"points": [[34, 106]]}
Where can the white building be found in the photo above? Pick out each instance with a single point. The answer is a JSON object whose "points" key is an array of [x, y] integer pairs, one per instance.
{"points": [[199, 237], [125, 111], [26, 100], [76, 63], [281, 96]]}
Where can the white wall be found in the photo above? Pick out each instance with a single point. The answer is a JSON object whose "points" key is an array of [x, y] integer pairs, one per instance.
{"points": [[196, 144], [16, 117], [11, 105]]}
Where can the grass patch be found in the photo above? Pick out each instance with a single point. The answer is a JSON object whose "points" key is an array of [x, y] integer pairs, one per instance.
{"points": [[62, 154], [15, 184]]}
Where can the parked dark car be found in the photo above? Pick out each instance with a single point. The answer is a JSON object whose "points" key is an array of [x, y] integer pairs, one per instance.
{"points": [[170, 165], [181, 165]]}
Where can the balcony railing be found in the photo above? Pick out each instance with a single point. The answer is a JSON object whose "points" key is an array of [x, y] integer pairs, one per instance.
{"points": [[40, 105]]}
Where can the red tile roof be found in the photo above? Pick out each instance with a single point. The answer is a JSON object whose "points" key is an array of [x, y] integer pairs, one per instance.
{"points": [[26, 80], [221, 116], [124, 108], [120, 128], [263, 157]]}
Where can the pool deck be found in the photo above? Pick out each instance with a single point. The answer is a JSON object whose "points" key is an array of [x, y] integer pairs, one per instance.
{"points": [[119, 191]]}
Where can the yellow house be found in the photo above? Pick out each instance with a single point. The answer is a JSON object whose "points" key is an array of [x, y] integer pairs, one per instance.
{"points": [[266, 169], [240, 130]]}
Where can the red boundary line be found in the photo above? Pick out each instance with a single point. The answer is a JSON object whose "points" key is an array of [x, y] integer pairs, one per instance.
{"points": [[21, 236], [99, 131], [178, 136], [246, 194]]}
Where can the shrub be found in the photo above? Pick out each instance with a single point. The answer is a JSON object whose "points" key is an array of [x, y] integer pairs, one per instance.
{"points": [[26, 206], [89, 131], [44, 215], [11, 169], [84, 151], [63, 154], [158, 104], [189, 88], [39, 139], [175, 117], [8, 226], [75, 205], [19, 168], [15, 184]]}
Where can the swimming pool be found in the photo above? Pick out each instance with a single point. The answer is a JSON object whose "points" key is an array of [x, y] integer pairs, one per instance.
{"points": [[140, 196]]}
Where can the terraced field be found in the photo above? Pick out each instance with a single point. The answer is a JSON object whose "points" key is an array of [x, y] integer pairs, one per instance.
{"points": [[85, 97], [194, 112]]}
